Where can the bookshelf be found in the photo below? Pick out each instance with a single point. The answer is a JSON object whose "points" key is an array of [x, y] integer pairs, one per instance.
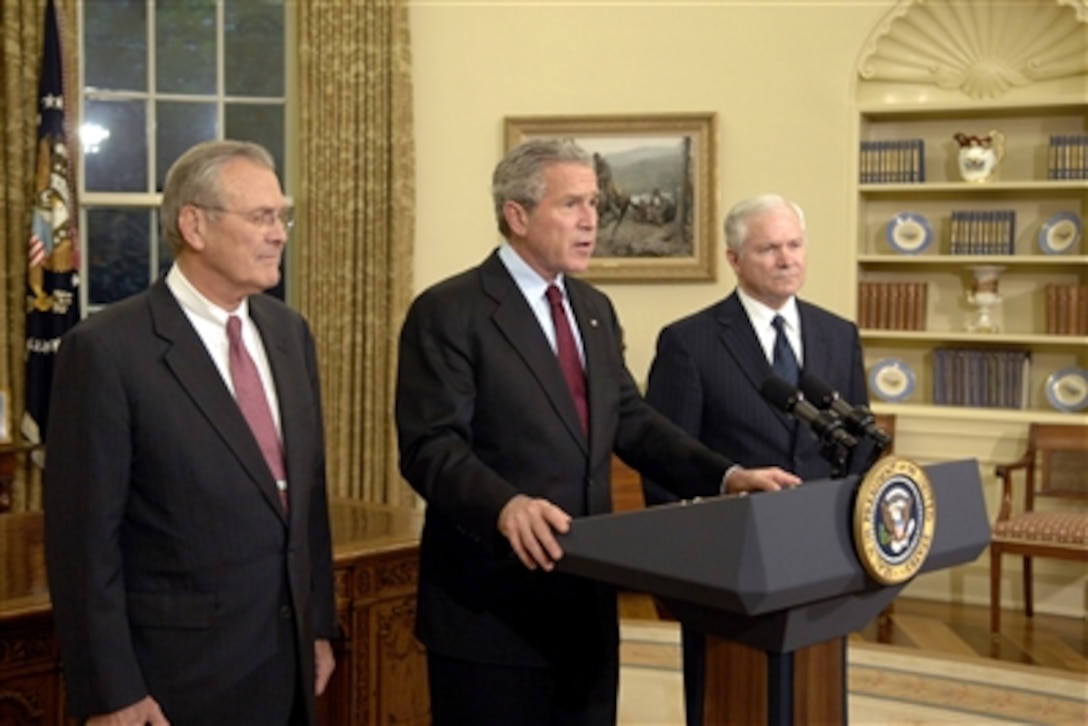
{"points": [[913, 233]]}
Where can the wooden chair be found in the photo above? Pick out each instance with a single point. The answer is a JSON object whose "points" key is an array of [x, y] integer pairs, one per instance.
{"points": [[1055, 466], [626, 487]]}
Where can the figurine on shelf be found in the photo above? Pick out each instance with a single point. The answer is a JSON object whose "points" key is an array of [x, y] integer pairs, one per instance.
{"points": [[983, 294], [979, 156]]}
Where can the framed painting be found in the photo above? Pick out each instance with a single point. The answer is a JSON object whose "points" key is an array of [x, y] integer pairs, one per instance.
{"points": [[657, 179]]}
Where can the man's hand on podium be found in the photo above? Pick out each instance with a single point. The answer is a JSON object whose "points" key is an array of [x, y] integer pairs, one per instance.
{"points": [[738, 480]]}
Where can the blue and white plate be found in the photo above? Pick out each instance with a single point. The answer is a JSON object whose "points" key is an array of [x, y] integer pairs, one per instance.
{"points": [[891, 380], [909, 233], [1060, 233], [1067, 389]]}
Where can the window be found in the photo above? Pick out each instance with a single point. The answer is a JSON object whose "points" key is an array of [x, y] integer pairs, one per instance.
{"points": [[158, 77]]}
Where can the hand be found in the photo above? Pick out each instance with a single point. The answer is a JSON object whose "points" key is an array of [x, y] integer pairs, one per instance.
{"points": [[145, 712], [770, 479], [530, 525], [324, 665]]}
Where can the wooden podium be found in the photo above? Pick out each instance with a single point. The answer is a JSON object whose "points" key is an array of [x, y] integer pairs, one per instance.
{"points": [[776, 578]]}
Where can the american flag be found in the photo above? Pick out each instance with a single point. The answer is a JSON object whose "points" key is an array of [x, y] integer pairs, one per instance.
{"points": [[53, 248]]}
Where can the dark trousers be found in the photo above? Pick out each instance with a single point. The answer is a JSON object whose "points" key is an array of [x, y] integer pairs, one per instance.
{"points": [[272, 694], [577, 694], [693, 643]]}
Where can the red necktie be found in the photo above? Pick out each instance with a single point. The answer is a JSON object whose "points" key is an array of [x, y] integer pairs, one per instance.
{"points": [[567, 351], [249, 392]]}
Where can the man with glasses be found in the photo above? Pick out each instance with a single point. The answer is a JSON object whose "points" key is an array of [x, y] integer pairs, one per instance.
{"points": [[187, 533]]}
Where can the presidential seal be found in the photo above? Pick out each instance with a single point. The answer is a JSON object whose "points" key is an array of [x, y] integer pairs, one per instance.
{"points": [[894, 519]]}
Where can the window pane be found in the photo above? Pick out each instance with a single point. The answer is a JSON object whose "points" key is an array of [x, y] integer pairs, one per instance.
{"points": [[180, 125], [166, 258], [259, 123], [185, 46], [115, 44], [117, 162], [254, 37], [118, 263]]}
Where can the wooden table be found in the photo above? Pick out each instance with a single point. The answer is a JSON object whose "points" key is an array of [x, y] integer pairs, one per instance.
{"points": [[10, 455], [380, 677]]}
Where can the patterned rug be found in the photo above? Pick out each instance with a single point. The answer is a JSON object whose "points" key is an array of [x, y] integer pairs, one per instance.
{"points": [[888, 685]]}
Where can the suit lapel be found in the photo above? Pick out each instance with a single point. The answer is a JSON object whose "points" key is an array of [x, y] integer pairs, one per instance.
{"points": [[190, 363], [817, 347], [595, 347], [516, 321], [738, 337], [292, 384]]}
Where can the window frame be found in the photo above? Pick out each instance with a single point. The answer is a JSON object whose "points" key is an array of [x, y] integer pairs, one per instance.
{"points": [[150, 201]]}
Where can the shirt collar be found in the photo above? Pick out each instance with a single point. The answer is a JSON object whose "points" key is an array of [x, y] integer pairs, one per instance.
{"points": [[528, 280], [191, 299], [762, 314]]}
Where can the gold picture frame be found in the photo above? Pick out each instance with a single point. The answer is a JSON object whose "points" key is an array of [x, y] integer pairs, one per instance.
{"points": [[5, 417], [658, 181]]}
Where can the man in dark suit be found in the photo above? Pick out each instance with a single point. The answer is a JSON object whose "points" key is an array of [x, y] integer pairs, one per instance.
{"points": [[507, 444], [710, 366], [190, 567]]}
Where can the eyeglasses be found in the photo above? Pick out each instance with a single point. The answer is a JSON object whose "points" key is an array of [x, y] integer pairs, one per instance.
{"points": [[265, 218]]}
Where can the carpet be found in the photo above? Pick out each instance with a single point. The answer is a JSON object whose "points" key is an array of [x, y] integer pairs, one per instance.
{"points": [[887, 685]]}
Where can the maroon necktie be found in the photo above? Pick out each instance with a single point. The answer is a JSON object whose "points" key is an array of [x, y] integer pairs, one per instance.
{"points": [[249, 392], [567, 351]]}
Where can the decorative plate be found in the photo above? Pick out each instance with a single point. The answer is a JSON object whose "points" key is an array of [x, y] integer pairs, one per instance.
{"points": [[1067, 389], [891, 380], [1060, 233], [909, 233]]}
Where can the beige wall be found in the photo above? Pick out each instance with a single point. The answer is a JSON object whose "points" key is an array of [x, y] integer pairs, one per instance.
{"points": [[777, 74], [780, 77]]}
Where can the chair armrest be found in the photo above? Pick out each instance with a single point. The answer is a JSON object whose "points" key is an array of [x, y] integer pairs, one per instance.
{"points": [[1005, 471]]}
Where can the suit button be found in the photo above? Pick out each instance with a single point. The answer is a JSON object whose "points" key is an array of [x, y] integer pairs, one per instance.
{"points": [[285, 612]]}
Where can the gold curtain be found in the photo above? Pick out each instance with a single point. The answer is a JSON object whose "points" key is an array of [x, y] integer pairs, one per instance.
{"points": [[22, 24], [353, 263]]}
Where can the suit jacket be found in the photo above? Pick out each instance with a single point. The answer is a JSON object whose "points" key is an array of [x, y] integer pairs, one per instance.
{"points": [[706, 377], [173, 569], [483, 413]]}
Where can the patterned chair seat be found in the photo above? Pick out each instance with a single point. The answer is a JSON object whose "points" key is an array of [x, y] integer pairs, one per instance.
{"points": [[1054, 467], [1057, 528]]}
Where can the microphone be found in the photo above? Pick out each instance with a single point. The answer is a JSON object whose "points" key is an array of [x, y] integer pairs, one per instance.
{"points": [[859, 420], [827, 425]]}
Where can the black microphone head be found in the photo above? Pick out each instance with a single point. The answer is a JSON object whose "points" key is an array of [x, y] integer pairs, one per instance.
{"points": [[779, 393], [816, 390]]}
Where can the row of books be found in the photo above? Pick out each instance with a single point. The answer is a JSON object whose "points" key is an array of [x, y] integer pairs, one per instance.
{"points": [[1067, 157], [983, 233], [1066, 308], [892, 162], [987, 378], [892, 305]]}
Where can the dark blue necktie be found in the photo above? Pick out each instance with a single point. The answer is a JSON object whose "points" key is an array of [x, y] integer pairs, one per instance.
{"points": [[785, 362]]}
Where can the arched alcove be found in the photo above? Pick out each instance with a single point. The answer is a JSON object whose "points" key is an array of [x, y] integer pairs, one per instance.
{"points": [[1015, 70]]}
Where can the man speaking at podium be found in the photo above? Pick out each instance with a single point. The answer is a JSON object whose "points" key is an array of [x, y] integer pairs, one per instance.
{"points": [[710, 367], [512, 395]]}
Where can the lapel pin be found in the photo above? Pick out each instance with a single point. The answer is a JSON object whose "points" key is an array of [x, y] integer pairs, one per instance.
{"points": [[593, 322]]}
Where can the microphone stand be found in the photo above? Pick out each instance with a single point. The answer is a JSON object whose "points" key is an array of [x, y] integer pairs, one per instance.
{"points": [[875, 453], [835, 454]]}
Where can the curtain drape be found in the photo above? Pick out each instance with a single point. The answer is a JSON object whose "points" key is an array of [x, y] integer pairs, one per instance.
{"points": [[353, 262], [22, 25]]}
